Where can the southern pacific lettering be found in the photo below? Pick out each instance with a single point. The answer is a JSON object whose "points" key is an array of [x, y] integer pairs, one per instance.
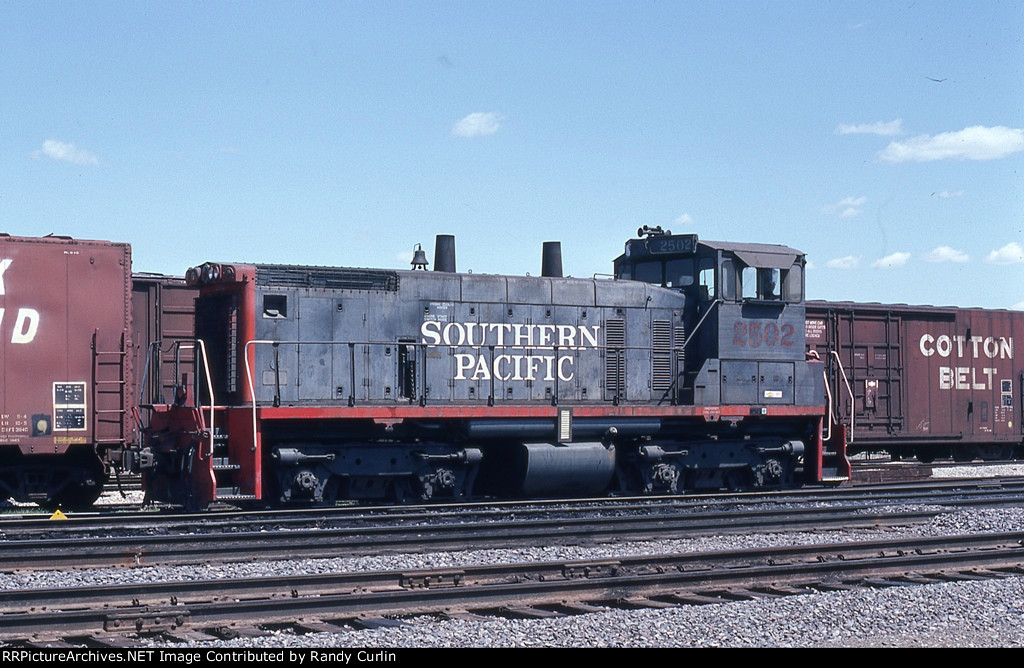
{"points": [[511, 341]]}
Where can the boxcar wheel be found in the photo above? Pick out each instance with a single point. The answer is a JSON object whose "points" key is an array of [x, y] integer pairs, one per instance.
{"points": [[963, 454], [995, 452], [79, 496]]}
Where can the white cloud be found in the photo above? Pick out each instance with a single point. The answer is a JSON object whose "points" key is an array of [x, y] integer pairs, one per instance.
{"points": [[946, 194], [891, 261], [1019, 306], [848, 207], [477, 124], [683, 220], [946, 254], [58, 150], [1011, 253], [848, 262], [890, 129], [974, 143]]}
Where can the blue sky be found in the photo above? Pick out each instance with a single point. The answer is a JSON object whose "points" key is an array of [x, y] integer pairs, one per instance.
{"points": [[884, 139]]}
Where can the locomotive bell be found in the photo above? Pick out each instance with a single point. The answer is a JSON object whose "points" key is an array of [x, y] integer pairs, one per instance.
{"points": [[419, 259]]}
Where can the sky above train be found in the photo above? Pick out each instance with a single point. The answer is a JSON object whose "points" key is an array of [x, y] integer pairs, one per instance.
{"points": [[883, 139]]}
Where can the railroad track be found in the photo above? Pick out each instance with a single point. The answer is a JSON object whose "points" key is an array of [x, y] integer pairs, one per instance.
{"points": [[124, 614], [229, 539], [175, 549], [945, 492]]}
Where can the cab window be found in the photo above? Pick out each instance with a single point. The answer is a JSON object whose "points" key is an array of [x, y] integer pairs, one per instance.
{"points": [[769, 284], [648, 272], [706, 279], [729, 288], [762, 283], [679, 273], [794, 284]]}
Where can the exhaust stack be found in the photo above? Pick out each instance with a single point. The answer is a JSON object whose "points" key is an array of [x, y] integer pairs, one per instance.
{"points": [[551, 259], [444, 253]]}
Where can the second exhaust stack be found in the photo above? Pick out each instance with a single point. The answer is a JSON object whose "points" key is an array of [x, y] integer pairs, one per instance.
{"points": [[444, 253], [551, 259]]}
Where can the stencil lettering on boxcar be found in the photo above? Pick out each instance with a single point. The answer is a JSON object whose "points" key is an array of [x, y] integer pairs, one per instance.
{"points": [[26, 323], [969, 348]]}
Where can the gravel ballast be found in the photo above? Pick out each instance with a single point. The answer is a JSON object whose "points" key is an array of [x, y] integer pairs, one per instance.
{"points": [[987, 613]]}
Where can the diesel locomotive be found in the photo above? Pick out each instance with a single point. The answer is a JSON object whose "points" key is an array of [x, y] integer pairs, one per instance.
{"points": [[687, 369]]}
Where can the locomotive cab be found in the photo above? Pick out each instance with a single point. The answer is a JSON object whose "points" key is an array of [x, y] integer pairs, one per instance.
{"points": [[744, 352], [745, 313]]}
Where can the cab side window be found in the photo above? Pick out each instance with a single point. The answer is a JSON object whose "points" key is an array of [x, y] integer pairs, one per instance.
{"points": [[730, 280], [748, 282], [706, 279], [769, 284], [794, 283]]}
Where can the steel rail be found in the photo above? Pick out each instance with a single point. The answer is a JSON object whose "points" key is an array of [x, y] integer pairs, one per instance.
{"points": [[675, 578], [368, 538], [951, 492], [150, 550]]}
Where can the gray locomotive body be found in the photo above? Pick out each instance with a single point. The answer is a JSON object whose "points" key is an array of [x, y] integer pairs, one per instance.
{"points": [[328, 383]]}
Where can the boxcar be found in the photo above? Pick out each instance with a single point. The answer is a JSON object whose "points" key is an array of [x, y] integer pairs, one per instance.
{"points": [[923, 381], [65, 320], [163, 318]]}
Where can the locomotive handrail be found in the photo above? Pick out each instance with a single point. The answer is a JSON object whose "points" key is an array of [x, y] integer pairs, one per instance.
{"points": [[191, 345], [154, 358], [700, 322], [178, 346], [145, 369], [250, 380], [252, 386], [686, 342], [829, 408], [849, 390]]}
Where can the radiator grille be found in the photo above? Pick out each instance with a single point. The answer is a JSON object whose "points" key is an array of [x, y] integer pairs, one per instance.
{"points": [[326, 277]]}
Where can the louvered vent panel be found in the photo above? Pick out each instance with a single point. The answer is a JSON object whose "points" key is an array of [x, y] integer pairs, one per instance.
{"points": [[661, 355], [615, 358]]}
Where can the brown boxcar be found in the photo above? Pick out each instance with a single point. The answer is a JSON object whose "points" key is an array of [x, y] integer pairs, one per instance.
{"points": [[923, 381], [163, 316], [65, 316]]}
